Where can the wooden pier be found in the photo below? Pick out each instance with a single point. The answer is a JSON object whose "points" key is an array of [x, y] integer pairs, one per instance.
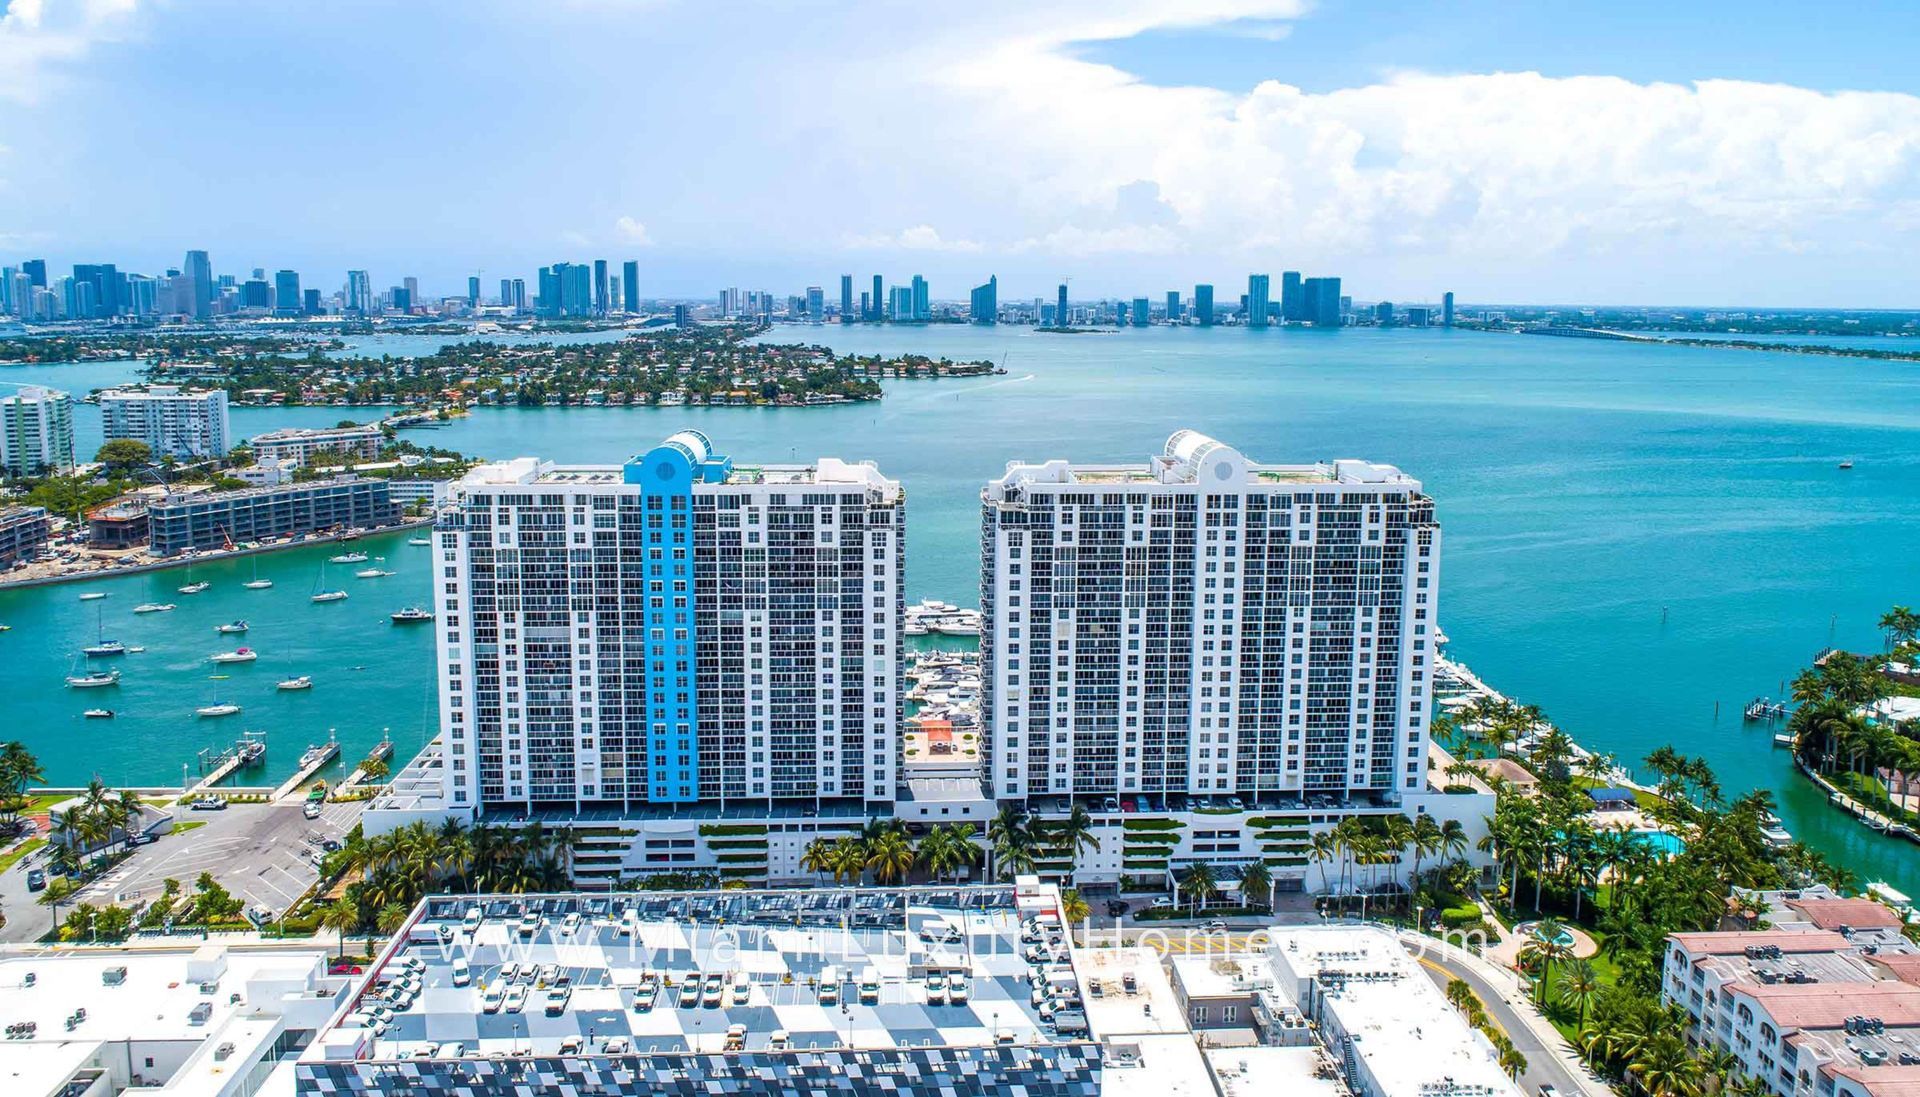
{"points": [[327, 753]]}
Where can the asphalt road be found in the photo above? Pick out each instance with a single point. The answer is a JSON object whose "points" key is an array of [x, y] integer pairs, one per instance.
{"points": [[259, 852], [1544, 1064]]}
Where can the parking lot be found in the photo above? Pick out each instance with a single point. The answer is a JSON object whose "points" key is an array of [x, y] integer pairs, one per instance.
{"points": [[259, 852]]}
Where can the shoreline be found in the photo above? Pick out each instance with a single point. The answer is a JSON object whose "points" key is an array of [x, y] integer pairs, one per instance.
{"points": [[202, 557]]}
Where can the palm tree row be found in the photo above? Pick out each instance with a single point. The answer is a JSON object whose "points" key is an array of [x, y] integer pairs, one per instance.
{"points": [[18, 769], [1360, 844], [884, 851], [99, 818]]}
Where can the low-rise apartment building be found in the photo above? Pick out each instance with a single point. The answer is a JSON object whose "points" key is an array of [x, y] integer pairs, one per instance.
{"points": [[216, 519], [356, 443], [23, 533]]}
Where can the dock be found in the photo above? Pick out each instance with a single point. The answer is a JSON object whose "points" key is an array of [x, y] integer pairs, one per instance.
{"points": [[216, 767], [382, 751], [322, 755]]}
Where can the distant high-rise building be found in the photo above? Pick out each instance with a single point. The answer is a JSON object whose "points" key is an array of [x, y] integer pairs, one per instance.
{"points": [[310, 302], [1060, 308], [106, 281], [412, 286], [401, 299], [1383, 313], [256, 293], [816, 304], [682, 317], [846, 298], [922, 299], [1419, 316], [142, 295], [630, 287], [772, 682], [359, 293], [506, 293], [1257, 301], [602, 301], [36, 272], [1142, 312], [473, 291], [1446, 309], [900, 304], [1293, 297], [36, 431], [1203, 304], [1321, 651], [866, 305], [985, 306], [879, 298], [1324, 303], [286, 293], [1173, 306], [200, 269]]}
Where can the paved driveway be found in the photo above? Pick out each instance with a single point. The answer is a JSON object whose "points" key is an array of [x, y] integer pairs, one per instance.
{"points": [[259, 852]]}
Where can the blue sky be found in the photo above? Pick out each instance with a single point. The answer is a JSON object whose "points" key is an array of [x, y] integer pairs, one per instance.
{"points": [[1707, 153]]}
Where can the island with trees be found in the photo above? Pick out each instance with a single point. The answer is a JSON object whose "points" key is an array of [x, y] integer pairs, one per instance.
{"points": [[666, 367]]}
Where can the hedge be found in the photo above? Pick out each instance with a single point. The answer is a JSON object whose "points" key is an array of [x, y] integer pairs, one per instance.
{"points": [[1153, 824], [708, 830]]}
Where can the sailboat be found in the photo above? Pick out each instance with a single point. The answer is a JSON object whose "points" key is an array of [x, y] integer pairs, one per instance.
{"points": [[94, 679], [320, 595], [222, 708], [193, 587], [257, 583], [103, 646], [304, 681]]}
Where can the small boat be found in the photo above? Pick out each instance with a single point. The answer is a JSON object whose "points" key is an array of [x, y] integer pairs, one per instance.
{"points": [[95, 680], [239, 655], [305, 681], [135, 650], [154, 607], [1846, 464], [330, 596], [231, 627], [221, 709], [410, 615], [105, 647], [312, 755], [98, 714], [348, 558], [257, 584], [195, 588], [371, 573], [420, 541], [92, 597], [6, 628]]}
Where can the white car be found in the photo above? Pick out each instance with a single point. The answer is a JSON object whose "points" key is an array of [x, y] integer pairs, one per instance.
{"points": [[517, 998], [492, 999]]}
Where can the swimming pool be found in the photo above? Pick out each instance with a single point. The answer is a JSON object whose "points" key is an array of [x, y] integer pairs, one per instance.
{"points": [[1660, 841]]}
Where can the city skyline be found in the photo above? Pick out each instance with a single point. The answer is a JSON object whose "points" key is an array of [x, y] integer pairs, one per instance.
{"points": [[1393, 149]]}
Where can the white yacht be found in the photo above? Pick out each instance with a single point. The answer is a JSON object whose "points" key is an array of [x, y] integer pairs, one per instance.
{"points": [[231, 627], [222, 709], [410, 615], [257, 584], [92, 596], [239, 655], [305, 681], [195, 588], [153, 607], [330, 596], [371, 573], [348, 558], [419, 540]]}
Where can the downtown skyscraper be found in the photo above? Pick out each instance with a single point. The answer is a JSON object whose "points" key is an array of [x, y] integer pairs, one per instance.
{"points": [[984, 307], [1202, 624], [670, 630], [1258, 300], [199, 270], [630, 287]]}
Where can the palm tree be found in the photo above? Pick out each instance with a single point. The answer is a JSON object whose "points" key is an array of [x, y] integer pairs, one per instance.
{"points": [[1073, 907], [1459, 993], [966, 848], [342, 917], [1256, 883], [1321, 848], [1398, 836], [1551, 944], [1901, 625], [1666, 1067], [18, 769], [936, 852], [890, 856], [818, 857], [849, 859], [1073, 834], [1453, 840], [1425, 841], [1579, 983], [1198, 883], [1013, 842]]}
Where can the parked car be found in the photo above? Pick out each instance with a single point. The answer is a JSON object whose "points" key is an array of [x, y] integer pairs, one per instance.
{"points": [[36, 879], [208, 803]]}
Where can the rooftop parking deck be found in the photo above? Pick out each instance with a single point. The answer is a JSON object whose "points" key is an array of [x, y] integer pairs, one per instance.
{"points": [[638, 974]]}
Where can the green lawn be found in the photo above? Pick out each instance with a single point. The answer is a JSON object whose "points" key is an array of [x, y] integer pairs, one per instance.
{"points": [[182, 828], [12, 856]]}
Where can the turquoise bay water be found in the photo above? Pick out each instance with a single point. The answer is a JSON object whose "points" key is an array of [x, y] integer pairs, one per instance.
{"points": [[1639, 539]]}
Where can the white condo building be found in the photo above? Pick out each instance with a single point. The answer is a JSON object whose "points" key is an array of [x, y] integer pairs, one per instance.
{"points": [[187, 423], [36, 431], [674, 630], [1205, 625]]}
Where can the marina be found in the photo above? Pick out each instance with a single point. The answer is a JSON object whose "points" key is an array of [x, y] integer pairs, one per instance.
{"points": [[315, 759]]}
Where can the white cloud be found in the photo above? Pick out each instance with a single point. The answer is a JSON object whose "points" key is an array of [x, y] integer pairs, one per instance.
{"points": [[1509, 164], [38, 37], [632, 232], [917, 238]]}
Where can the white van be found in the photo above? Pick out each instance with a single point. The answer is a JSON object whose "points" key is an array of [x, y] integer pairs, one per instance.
{"points": [[869, 985], [462, 972], [829, 985]]}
